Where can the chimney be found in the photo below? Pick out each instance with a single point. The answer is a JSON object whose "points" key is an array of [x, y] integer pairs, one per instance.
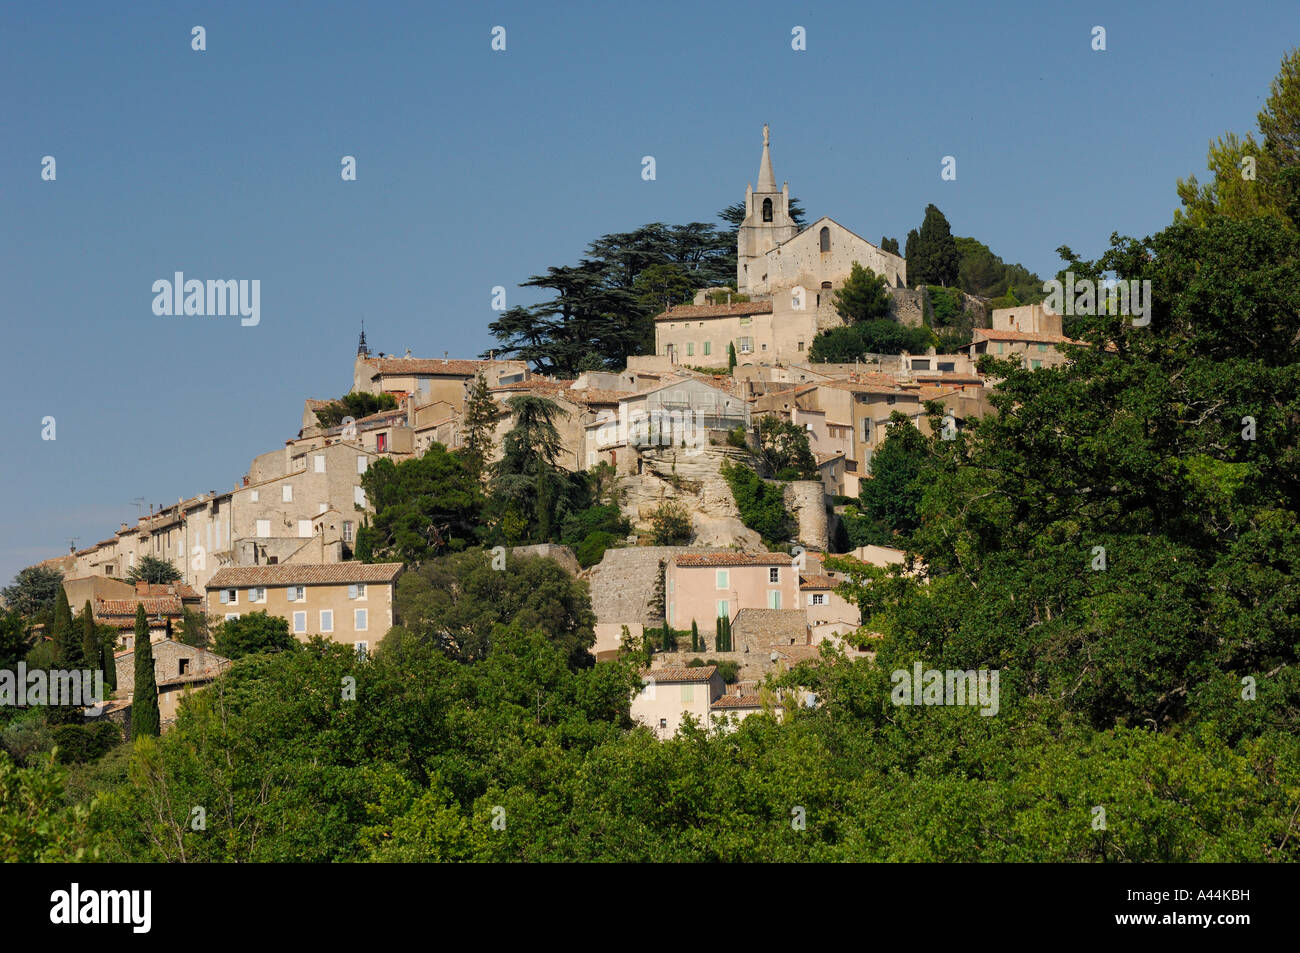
{"points": [[124, 527], [408, 352]]}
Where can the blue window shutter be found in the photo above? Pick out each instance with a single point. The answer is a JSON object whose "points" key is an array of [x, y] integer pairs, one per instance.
{"points": [[352, 592], [225, 596]]}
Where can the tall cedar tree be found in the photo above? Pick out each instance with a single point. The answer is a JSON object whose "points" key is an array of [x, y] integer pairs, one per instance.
{"points": [[145, 718]]}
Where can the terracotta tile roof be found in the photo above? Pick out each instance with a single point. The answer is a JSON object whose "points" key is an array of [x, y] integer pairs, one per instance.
{"points": [[178, 589], [732, 559], [885, 385], [680, 673], [533, 384], [288, 574], [737, 701], [414, 365], [817, 582], [595, 396], [988, 334], [153, 605], [687, 312]]}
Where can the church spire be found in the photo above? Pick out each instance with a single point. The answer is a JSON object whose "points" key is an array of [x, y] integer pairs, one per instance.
{"points": [[766, 180], [362, 349]]}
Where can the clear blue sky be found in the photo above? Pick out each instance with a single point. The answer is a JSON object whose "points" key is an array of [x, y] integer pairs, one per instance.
{"points": [[478, 168]]}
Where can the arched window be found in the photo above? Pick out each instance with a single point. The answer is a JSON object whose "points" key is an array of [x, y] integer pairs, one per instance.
{"points": [[767, 210], [825, 284], [826, 238]]}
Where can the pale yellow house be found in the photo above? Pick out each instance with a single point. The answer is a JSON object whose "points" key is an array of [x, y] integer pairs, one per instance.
{"points": [[350, 603], [669, 693]]}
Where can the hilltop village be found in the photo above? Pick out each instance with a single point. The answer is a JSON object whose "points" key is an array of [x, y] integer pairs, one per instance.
{"points": [[729, 388]]}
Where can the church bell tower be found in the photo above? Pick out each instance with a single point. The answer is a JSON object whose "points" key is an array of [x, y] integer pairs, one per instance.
{"points": [[767, 223]]}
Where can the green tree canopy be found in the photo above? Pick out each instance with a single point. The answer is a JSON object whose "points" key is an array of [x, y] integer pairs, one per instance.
{"points": [[424, 506], [251, 634], [153, 570]]}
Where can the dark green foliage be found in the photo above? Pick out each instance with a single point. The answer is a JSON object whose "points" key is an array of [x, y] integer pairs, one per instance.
{"points": [[890, 245], [729, 669], [864, 296], [891, 498], [251, 634], [603, 306], [731, 356], [145, 717], [78, 744], [456, 602], [90, 640], [601, 518], [478, 428], [722, 634], [194, 629], [424, 507], [696, 644], [14, 643], [33, 591], [66, 635], [761, 504], [736, 438], [671, 524], [783, 448], [592, 548], [933, 259], [844, 345], [153, 570], [985, 275], [355, 405]]}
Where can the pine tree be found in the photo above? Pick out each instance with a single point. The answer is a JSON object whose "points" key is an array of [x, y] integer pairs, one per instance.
{"points": [[145, 719]]}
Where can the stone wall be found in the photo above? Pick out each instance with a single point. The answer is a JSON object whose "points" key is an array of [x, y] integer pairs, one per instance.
{"points": [[806, 499], [623, 582]]}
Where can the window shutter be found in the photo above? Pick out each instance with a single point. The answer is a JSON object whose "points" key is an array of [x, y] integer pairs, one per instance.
{"points": [[225, 596], [293, 594], [352, 592]]}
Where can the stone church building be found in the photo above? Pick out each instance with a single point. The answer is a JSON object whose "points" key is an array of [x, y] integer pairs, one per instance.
{"points": [[787, 274]]}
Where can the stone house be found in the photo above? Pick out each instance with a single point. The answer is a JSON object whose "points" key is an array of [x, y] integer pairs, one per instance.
{"points": [[1029, 332], [669, 693], [178, 669], [429, 380], [702, 587], [348, 602], [160, 611]]}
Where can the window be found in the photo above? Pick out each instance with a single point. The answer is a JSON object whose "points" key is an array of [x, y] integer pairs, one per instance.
{"points": [[1035, 365], [357, 591], [347, 531], [231, 615], [724, 609], [708, 348], [304, 529], [826, 238], [300, 623], [253, 496], [358, 496], [688, 693], [816, 599], [286, 493], [663, 723], [361, 464], [327, 620], [320, 463], [1001, 347], [774, 598], [866, 431], [774, 574], [746, 320], [891, 400], [722, 579], [690, 348], [360, 619], [826, 286], [184, 666], [257, 594], [767, 210], [1042, 349], [920, 365], [296, 593], [946, 366], [801, 345], [746, 345], [263, 528], [381, 442], [363, 649], [230, 596]]}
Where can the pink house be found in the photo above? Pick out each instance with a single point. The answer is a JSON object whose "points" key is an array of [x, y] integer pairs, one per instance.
{"points": [[701, 587]]}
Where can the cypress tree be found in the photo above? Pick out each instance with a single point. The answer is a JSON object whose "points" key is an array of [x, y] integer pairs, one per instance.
{"points": [[145, 719], [107, 646], [67, 640], [90, 647], [937, 257], [731, 356], [717, 634], [695, 638]]}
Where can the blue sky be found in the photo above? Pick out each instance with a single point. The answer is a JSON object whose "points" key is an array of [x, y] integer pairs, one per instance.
{"points": [[478, 169]]}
